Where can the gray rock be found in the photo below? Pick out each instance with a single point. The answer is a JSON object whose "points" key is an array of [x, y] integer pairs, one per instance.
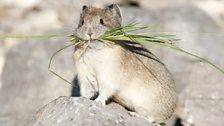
{"points": [[203, 97], [2, 61], [27, 83], [20, 4], [154, 4], [73, 111]]}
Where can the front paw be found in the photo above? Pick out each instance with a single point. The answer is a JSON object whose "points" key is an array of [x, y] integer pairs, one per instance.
{"points": [[88, 94], [100, 101]]}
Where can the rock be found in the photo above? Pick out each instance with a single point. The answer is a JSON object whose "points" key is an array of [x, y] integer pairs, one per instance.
{"points": [[34, 22], [153, 4], [203, 97], [2, 61], [20, 3], [69, 111], [26, 82], [215, 9]]}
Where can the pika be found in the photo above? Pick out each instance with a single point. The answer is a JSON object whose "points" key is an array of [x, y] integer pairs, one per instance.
{"points": [[125, 72]]}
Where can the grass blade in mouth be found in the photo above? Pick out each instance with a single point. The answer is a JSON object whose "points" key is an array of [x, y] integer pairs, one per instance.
{"points": [[123, 33]]}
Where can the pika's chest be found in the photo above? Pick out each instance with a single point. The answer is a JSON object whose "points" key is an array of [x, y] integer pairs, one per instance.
{"points": [[95, 55]]}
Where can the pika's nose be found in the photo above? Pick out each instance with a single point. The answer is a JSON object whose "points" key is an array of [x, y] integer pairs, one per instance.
{"points": [[90, 34]]}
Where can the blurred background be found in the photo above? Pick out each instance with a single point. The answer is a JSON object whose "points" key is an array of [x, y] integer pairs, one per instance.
{"points": [[26, 84]]}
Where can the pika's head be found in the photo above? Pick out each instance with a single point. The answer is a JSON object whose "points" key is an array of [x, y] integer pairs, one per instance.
{"points": [[96, 21]]}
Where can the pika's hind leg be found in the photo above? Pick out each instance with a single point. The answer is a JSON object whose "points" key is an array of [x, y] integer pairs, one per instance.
{"points": [[141, 116], [144, 114], [151, 120]]}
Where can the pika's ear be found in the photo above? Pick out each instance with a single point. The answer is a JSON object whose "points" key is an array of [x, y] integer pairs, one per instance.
{"points": [[115, 10], [84, 7]]}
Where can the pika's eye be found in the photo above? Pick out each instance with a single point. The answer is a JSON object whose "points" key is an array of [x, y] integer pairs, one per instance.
{"points": [[101, 21], [82, 22]]}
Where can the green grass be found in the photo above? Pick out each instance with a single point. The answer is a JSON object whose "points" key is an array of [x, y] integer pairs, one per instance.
{"points": [[127, 33]]}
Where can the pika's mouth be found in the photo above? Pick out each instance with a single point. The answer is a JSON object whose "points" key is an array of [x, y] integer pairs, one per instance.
{"points": [[88, 39], [92, 40]]}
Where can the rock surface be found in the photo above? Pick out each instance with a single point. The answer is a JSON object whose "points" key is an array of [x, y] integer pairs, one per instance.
{"points": [[203, 98], [27, 83], [73, 111], [2, 61]]}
